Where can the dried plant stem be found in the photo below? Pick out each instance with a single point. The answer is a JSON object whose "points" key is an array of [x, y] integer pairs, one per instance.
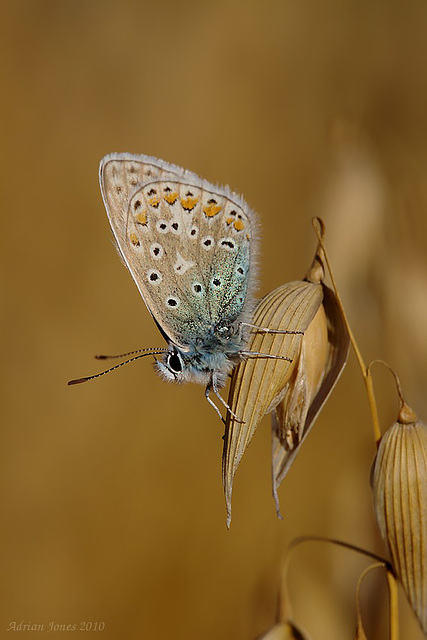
{"points": [[367, 378], [360, 633], [393, 601], [406, 414], [285, 610], [393, 605]]}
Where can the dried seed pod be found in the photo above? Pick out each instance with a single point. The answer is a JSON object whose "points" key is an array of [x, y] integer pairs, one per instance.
{"points": [[284, 631], [324, 352], [316, 344], [399, 484]]}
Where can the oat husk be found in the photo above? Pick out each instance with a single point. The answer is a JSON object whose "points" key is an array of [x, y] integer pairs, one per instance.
{"points": [[295, 389], [323, 356], [399, 484]]}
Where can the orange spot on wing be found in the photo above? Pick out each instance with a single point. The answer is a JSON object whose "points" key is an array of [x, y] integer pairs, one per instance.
{"points": [[154, 201], [171, 198], [134, 239], [211, 210], [189, 203], [239, 225], [229, 220], [141, 217]]}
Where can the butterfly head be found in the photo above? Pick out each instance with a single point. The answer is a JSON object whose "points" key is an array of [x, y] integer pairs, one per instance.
{"points": [[172, 367], [214, 353]]}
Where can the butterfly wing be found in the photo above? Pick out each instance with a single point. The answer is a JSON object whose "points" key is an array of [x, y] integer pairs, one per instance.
{"points": [[187, 243], [119, 176]]}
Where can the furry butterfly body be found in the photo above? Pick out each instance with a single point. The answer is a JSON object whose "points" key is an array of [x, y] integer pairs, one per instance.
{"points": [[190, 248]]}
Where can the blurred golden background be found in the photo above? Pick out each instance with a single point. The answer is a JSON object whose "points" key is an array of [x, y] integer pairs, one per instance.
{"points": [[112, 505]]}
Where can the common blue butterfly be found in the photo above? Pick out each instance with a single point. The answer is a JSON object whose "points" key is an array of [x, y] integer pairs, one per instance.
{"points": [[190, 247]]}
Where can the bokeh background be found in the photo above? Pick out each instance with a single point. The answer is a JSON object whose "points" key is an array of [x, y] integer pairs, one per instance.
{"points": [[112, 505]]}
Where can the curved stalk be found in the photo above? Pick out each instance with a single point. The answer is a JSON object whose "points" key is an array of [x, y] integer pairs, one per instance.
{"points": [[367, 378]]}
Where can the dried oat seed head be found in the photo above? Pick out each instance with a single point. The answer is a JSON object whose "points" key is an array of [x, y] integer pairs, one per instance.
{"points": [[293, 390], [399, 485], [323, 354]]}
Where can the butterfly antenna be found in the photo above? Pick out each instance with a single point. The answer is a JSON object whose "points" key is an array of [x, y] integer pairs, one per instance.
{"points": [[101, 356], [117, 366]]}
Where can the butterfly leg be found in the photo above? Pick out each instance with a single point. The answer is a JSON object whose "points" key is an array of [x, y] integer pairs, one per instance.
{"points": [[257, 354], [214, 388], [273, 331], [207, 392]]}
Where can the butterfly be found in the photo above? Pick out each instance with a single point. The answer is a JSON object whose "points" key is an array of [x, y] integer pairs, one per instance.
{"points": [[190, 247]]}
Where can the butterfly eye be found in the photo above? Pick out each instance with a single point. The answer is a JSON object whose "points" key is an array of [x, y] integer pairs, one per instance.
{"points": [[174, 363]]}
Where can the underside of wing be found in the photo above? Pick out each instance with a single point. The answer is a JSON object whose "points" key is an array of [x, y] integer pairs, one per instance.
{"points": [[187, 243], [120, 174]]}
